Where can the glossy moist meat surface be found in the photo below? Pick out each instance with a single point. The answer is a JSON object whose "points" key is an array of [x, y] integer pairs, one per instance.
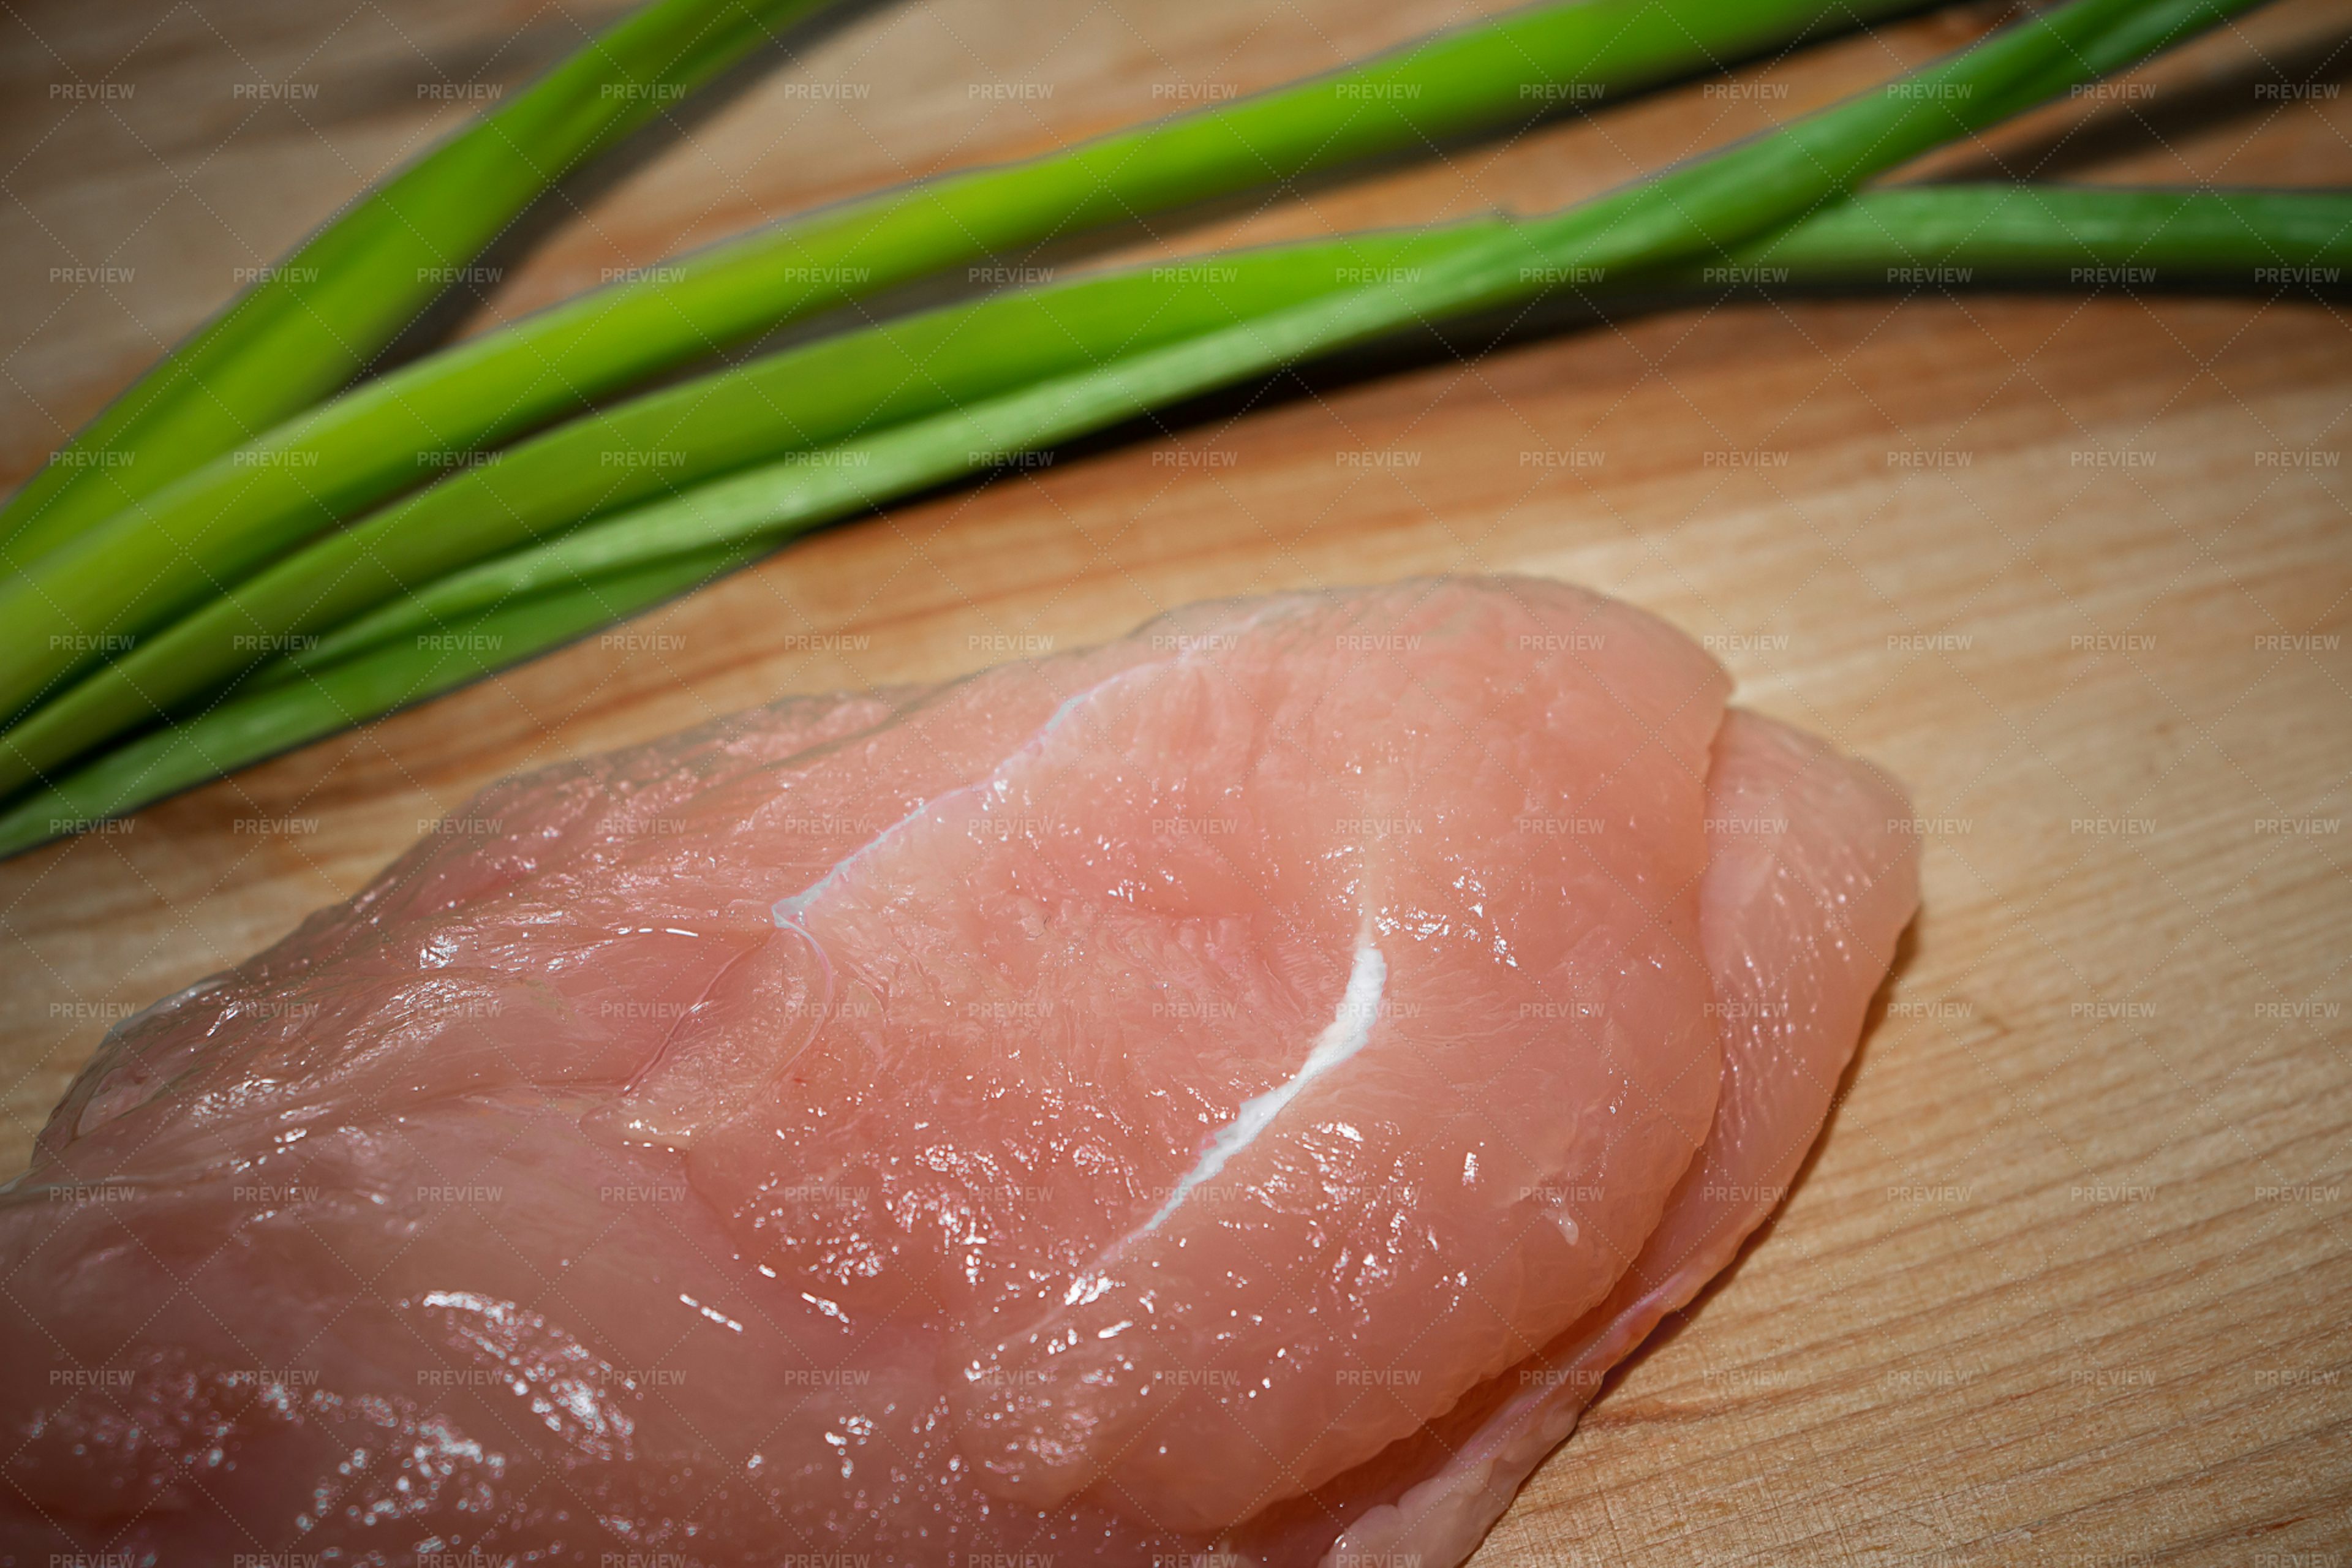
{"points": [[1221, 1096]]}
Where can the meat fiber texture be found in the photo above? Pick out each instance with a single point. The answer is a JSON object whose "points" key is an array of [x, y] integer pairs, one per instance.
{"points": [[1224, 1098]]}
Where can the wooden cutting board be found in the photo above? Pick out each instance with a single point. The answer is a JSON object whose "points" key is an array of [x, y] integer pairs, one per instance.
{"points": [[2067, 1281]]}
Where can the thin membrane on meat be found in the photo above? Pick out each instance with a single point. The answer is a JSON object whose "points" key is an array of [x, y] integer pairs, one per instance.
{"points": [[1225, 1095]]}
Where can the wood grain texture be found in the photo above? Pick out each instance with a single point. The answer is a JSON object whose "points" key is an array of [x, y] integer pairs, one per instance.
{"points": [[2066, 1280]]}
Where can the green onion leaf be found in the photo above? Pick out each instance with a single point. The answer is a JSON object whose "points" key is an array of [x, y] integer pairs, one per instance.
{"points": [[556, 590]]}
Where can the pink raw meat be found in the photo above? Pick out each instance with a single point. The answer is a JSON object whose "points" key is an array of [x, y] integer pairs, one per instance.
{"points": [[1221, 1095]]}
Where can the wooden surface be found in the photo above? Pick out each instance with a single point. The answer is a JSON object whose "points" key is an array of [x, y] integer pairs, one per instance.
{"points": [[2067, 1281]]}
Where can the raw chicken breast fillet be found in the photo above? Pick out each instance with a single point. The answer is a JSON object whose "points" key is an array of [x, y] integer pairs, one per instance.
{"points": [[1225, 1097]]}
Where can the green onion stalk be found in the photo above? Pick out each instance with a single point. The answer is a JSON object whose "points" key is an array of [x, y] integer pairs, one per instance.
{"points": [[313, 322], [405, 571], [928, 399], [166, 549]]}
